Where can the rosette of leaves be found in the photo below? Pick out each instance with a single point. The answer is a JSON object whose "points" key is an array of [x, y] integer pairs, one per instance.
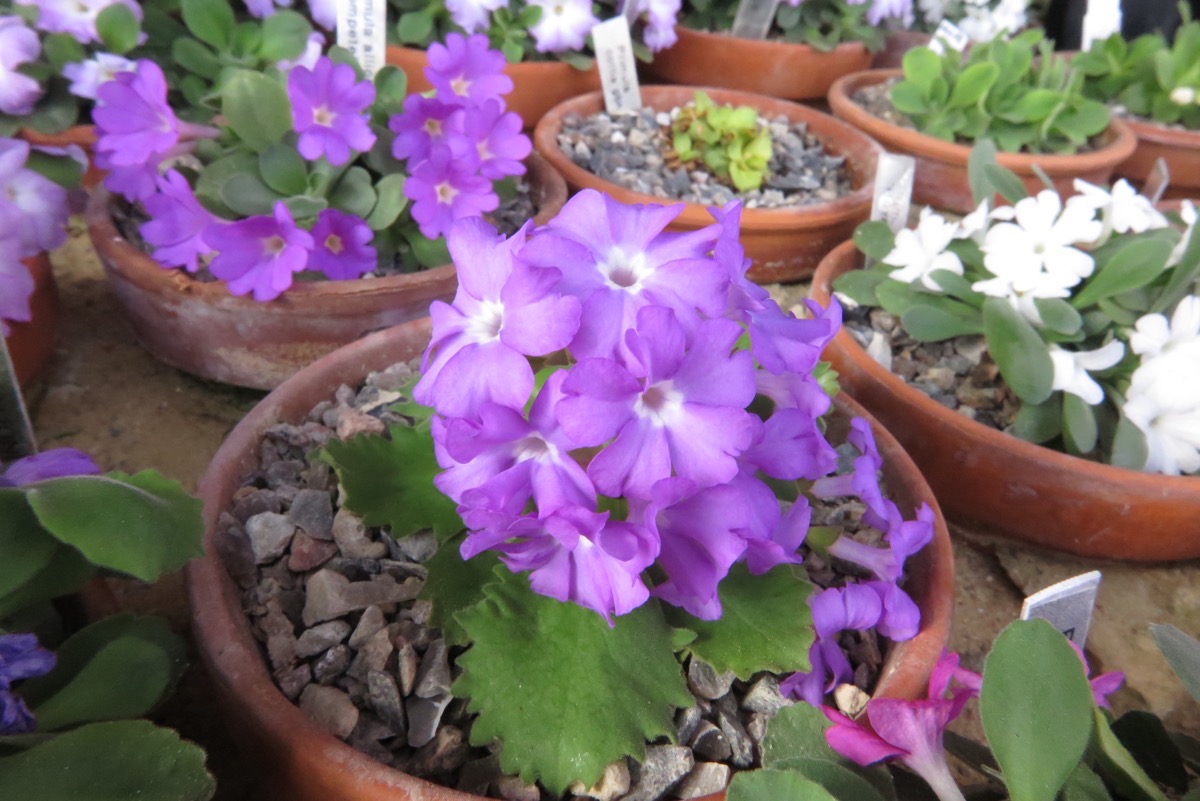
{"points": [[730, 141], [1148, 77], [1134, 274], [821, 24], [1015, 93], [56, 534]]}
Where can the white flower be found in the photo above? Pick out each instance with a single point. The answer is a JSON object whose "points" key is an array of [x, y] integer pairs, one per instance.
{"points": [[918, 253], [1071, 369], [1183, 95], [1122, 210], [975, 225], [1164, 394], [1153, 335], [564, 25], [1187, 213], [472, 15], [87, 76]]}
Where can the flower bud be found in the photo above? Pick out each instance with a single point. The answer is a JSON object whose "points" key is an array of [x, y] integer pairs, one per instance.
{"points": [[1183, 95]]}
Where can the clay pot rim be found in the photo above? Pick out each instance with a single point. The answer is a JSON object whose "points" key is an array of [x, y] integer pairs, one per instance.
{"points": [[1120, 146], [82, 135], [976, 433], [851, 207], [211, 590], [518, 69], [770, 47], [1162, 135], [140, 268]]}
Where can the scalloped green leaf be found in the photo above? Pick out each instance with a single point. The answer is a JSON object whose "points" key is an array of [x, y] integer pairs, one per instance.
{"points": [[537, 661], [455, 584], [143, 525], [388, 481], [750, 636], [114, 761]]}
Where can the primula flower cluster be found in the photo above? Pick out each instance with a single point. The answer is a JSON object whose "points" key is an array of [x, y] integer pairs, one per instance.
{"points": [[600, 363], [20, 658], [460, 140]]}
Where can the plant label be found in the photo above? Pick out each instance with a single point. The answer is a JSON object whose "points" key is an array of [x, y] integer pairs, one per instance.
{"points": [[1066, 605], [16, 432], [1157, 181], [618, 72], [947, 33], [893, 190], [361, 29], [753, 18], [1101, 20]]}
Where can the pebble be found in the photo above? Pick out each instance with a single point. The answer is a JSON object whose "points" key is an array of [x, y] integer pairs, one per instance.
{"points": [[663, 767], [373, 655], [331, 594], [293, 680], [250, 501], [407, 663], [433, 676], [371, 622], [332, 664], [352, 539], [424, 715], [613, 784], [384, 697], [308, 554], [764, 696], [329, 708], [270, 533], [512, 788], [710, 742], [312, 511], [445, 753], [705, 682], [321, 637], [706, 778]]}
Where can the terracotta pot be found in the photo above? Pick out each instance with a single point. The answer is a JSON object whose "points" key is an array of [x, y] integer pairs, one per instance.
{"points": [[202, 329], [895, 46], [83, 136], [31, 344], [1180, 148], [941, 179], [783, 244], [538, 86], [299, 761], [1002, 485], [762, 66]]}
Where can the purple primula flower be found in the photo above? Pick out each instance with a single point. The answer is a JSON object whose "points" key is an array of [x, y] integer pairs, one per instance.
{"points": [[880, 10], [504, 311], [862, 481], [421, 126], [16, 282], [87, 76], [900, 619], [744, 295], [54, 463], [903, 540], [328, 105], [617, 259], [324, 13], [259, 254], [853, 607], [20, 658], [465, 67], [781, 341], [828, 667], [18, 45], [503, 460], [40, 205], [341, 246], [135, 129], [909, 730], [680, 411], [473, 16], [564, 25], [76, 17], [1103, 685], [177, 223], [494, 136], [444, 189], [660, 18], [792, 446]]}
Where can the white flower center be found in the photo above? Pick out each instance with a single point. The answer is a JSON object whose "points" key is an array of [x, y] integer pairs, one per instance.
{"points": [[532, 447], [486, 325], [460, 86], [445, 192], [273, 245], [323, 116], [624, 271], [660, 403]]}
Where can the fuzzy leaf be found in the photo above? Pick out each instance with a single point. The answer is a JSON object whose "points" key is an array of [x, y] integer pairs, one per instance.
{"points": [[284, 36], [247, 195], [388, 481], [143, 525], [1039, 422], [1129, 448], [390, 203], [1038, 730], [283, 169], [1084, 785], [874, 239], [455, 584], [1018, 350], [1133, 265], [859, 286], [842, 783], [65, 573], [109, 762], [1114, 762], [796, 739], [536, 660], [1182, 653], [934, 323], [775, 785], [750, 636], [210, 21], [118, 28], [257, 109], [1147, 739], [1079, 424], [26, 547]]}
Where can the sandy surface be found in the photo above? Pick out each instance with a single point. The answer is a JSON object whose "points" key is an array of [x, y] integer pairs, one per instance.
{"points": [[105, 395]]}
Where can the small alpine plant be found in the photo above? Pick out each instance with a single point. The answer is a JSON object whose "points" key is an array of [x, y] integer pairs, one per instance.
{"points": [[821, 24], [1087, 304], [633, 437], [312, 168]]}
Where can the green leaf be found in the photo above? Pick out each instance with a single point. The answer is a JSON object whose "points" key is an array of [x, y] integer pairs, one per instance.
{"points": [[90, 682], [455, 584], [62, 49], [118, 28], [109, 762], [1133, 265], [922, 66], [390, 204], [1114, 762], [874, 239], [428, 252], [859, 285], [65, 573], [1084, 785], [609, 690], [1039, 422], [247, 195], [1129, 448], [1006, 182], [1182, 653], [929, 323], [842, 783], [305, 207], [1021, 355], [283, 169], [195, 57], [1079, 424], [388, 481], [1147, 739], [749, 636], [775, 785], [415, 27], [143, 525], [284, 36], [210, 185], [1034, 106], [26, 547], [1036, 707], [797, 733], [391, 87], [354, 192], [973, 84], [256, 108], [910, 99], [982, 155], [209, 21], [1058, 315]]}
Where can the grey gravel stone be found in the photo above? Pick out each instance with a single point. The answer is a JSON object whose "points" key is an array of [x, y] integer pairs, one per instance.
{"points": [[418, 547], [740, 744], [332, 664], [384, 697], [312, 511], [250, 501], [445, 753], [373, 655], [686, 722], [704, 779], [664, 766], [270, 533], [308, 554], [331, 595], [613, 783], [352, 538], [764, 696], [705, 682], [511, 788], [424, 714], [433, 676], [709, 742], [372, 621], [329, 708], [321, 637], [293, 680], [407, 664]]}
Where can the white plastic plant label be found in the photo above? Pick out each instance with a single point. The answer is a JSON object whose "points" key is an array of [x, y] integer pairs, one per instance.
{"points": [[947, 33], [618, 71], [1101, 20], [753, 18], [1157, 181], [1067, 605], [893, 190], [16, 432], [362, 29]]}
